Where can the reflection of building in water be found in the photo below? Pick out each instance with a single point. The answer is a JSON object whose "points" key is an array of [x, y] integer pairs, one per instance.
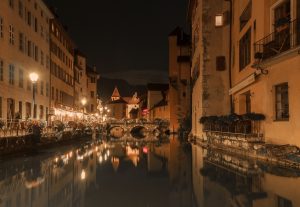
{"points": [[180, 174], [157, 157], [224, 180], [197, 164], [133, 154], [59, 181], [173, 158]]}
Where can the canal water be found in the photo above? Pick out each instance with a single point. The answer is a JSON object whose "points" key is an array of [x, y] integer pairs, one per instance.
{"points": [[137, 174]]}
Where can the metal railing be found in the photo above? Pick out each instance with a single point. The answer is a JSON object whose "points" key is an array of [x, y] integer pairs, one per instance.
{"points": [[285, 37], [16, 127]]}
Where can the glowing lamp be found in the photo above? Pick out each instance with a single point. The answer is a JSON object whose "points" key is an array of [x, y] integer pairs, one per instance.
{"points": [[33, 77]]}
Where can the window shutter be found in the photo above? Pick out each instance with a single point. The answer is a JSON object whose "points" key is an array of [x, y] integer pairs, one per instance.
{"points": [[220, 63]]}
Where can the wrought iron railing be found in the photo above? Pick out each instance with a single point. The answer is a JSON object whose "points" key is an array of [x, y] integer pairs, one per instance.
{"points": [[285, 37]]}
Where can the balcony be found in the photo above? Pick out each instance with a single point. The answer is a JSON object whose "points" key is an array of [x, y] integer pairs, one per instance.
{"points": [[285, 37], [234, 128]]}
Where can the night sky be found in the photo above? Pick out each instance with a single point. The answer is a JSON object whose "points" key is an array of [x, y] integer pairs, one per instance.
{"points": [[124, 38]]}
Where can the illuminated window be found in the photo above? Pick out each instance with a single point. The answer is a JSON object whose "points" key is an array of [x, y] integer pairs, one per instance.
{"points": [[219, 20]]}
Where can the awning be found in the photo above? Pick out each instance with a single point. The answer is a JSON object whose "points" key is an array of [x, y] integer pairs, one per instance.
{"points": [[243, 84]]}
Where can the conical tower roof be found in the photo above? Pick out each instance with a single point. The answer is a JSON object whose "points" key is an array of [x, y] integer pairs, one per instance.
{"points": [[116, 93]]}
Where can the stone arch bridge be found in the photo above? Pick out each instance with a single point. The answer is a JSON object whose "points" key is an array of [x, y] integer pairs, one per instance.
{"points": [[123, 130]]}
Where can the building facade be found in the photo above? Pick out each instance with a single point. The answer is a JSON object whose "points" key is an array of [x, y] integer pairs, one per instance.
{"points": [[179, 77], [156, 92], [92, 78], [210, 70], [24, 43], [265, 65], [62, 67], [247, 64], [80, 79], [32, 40], [123, 107], [161, 110]]}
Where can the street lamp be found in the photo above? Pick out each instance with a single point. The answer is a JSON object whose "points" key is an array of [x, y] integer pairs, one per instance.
{"points": [[83, 102], [34, 78]]}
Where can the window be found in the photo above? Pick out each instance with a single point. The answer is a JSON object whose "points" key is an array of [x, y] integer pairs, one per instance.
{"points": [[35, 24], [21, 42], [52, 27], [47, 89], [283, 202], [21, 78], [93, 80], [28, 84], [41, 112], [52, 93], [34, 111], [246, 15], [0, 107], [219, 20], [245, 50], [29, 18], [11, 35], [221, 63], [21, 8], [282, 102], [29, 48], [1, 27], [36, 53], [42, 31], [42, 58], [20, 109], [11, 76], [282, 14], [42, 87], [92, 94], [1, 70], [56, 98], [92, 108], [11, 3], [248, 102], [47, 61]]}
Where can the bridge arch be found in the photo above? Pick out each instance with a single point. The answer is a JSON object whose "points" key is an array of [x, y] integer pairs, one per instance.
{"points": [[139, 132], [116, 131]]}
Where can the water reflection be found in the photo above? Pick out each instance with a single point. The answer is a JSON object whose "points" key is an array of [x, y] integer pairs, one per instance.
{"points": [[144, 174], [220, 179], [106, 173]]}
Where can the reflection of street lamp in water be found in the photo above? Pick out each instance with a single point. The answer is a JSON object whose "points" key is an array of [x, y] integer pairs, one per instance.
{"points": [[83, 175], [34, 78], [83, 102]]}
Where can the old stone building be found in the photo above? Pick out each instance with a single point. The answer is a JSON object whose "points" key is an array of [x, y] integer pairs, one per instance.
{"points": [[210, 70], [179, 77], [24, 43], [156, 92], [92, 78], [122, 107]]}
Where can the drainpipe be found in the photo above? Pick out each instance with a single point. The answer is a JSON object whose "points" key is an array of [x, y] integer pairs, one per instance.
{"points": [[230, 52]]}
